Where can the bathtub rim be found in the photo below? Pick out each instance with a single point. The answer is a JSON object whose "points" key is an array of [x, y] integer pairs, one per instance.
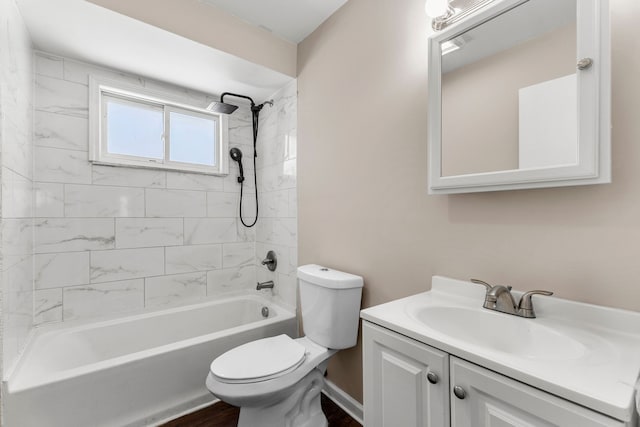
{"points": [[282, 314]]}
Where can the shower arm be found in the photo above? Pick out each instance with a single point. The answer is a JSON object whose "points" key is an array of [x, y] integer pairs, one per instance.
{"points": [[255, 110], [253, 104]]}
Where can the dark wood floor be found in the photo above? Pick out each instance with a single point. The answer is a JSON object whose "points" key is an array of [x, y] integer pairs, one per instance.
{"points": [[223, 415]]}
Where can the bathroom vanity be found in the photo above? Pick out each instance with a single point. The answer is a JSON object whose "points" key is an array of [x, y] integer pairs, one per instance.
{"points": [[440, 359]]}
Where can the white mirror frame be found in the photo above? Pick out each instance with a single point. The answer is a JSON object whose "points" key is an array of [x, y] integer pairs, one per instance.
{"points": [[594, 109]]}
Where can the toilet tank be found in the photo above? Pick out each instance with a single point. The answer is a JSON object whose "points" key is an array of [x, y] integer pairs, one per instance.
{"points": [[330, 305]]}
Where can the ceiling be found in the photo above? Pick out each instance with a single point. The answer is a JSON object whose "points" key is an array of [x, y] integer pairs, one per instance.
{"points": [[292, 20], [81, 30]]}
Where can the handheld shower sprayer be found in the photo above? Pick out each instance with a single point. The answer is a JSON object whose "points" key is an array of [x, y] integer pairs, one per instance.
{"points": [[236, 156]]}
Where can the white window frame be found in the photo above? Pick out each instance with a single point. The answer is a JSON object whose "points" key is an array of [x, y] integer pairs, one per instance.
{"points": [[167, 102]]}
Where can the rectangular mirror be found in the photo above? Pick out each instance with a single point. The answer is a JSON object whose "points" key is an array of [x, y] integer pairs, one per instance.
{"points": [[519, 97]]}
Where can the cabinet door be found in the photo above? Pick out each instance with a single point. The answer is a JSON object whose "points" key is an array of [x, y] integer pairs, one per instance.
{"points": [[493, 400], [397, 391]]}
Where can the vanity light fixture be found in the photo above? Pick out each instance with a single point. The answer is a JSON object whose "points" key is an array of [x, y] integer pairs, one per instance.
{"points": [[447, 12], [435, 8]]}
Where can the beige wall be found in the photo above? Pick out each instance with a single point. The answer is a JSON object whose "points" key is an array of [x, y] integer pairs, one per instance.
{"points": [[480, 101], [213, 27], [362, 178]]}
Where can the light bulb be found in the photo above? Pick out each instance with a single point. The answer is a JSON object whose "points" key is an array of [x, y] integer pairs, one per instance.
{"points": [[435, 8]]}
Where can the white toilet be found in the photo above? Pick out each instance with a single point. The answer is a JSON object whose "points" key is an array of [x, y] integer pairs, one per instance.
{"points": [[276, 381]]}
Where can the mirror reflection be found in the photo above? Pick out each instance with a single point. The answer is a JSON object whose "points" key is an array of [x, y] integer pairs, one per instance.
{"points": [[509, 92]]}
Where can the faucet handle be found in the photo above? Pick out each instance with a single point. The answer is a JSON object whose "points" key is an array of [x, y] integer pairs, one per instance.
{"points": [[271, 261], [525, 306], [482, 282]]}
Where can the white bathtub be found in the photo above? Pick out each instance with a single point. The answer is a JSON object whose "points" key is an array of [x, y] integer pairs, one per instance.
{"points": [[132, 371]]}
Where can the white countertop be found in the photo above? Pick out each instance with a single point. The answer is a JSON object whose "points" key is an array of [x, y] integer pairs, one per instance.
{"points": [[599, 372]]}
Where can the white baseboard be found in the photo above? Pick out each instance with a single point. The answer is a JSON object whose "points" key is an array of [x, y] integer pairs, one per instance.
{"points": [[343, 400]]}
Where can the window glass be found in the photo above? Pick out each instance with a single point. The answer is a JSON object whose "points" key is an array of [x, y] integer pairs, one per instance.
{"points": [[134, 129], [192, 139]]}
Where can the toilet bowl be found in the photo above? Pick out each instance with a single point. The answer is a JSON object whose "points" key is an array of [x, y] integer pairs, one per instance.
{"points": [[262, 398], [277, 381]]}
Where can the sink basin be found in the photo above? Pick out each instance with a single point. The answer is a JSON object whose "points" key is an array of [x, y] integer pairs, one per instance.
{"points": [[500, 332]]}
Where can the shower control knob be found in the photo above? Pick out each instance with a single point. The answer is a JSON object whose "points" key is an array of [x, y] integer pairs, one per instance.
{"points": [[459, 392], [433, 378], [271, 261]]}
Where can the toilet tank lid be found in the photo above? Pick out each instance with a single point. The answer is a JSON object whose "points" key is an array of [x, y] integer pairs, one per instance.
{"points": [[328, 278]]}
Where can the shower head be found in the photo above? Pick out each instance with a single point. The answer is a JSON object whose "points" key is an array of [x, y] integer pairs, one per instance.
{"points": [[222, 107]]}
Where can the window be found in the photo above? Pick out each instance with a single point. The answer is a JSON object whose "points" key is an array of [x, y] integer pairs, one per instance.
{"points": [[132, 126]]}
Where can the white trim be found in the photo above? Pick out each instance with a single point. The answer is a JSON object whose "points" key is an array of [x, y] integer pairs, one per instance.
{"points": [[343, 400]]}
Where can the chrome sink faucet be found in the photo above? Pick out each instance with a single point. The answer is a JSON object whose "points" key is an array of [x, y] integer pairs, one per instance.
{"points": [[499, 298]]}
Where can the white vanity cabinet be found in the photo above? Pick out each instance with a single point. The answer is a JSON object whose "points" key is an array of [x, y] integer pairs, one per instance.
{"points": [[398, 391], [406, 383], [489, 399]]}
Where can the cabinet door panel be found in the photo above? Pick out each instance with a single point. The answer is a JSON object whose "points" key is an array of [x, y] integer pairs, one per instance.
{"points": [[493, 400], [396, 389]]}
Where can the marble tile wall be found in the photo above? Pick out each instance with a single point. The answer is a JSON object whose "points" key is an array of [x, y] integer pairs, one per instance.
{"points": [[111, 240], [277, 228], [16, 152]]}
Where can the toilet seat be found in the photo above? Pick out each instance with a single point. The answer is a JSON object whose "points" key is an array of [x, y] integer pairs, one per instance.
{"points": [[259, 360], [247, 394]]}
